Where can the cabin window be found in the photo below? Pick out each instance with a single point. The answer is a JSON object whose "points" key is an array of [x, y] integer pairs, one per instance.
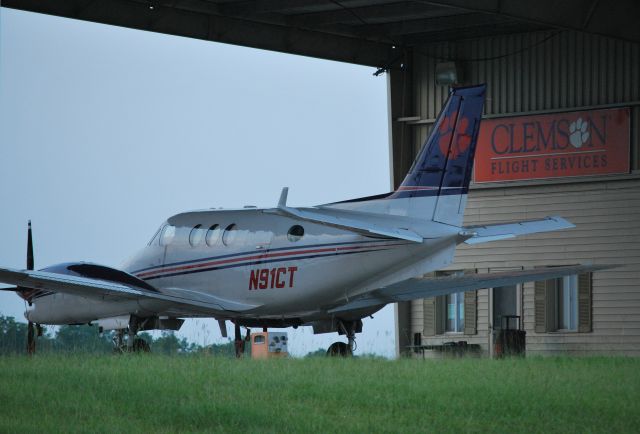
{"points": [[168, 232], [455, 312], [196, 235], [229, 234], [566, 309], [295, 233], [212, 235]]}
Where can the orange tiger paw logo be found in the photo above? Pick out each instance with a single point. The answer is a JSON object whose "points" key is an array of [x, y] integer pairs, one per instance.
{"points": [[462, 139]]}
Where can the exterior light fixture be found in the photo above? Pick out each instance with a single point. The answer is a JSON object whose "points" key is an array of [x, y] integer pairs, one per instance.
{"points": [[448, 73]]}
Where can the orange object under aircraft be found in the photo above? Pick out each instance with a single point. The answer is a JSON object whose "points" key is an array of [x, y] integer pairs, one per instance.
{"points": [[266, 345]]}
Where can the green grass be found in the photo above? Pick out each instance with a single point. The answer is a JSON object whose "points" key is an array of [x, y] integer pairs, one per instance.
{"points": [[151, 393]]}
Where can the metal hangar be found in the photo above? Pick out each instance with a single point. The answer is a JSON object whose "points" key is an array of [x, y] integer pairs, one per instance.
{"points": [[560, 136]]}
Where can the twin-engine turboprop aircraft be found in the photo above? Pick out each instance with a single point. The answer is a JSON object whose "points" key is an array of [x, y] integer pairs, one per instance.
{"points": [[326, 266]]}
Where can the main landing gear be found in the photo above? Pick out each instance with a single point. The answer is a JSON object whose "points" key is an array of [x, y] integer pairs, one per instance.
{"points": [[342, 349], [132, 344], [239, 342]]}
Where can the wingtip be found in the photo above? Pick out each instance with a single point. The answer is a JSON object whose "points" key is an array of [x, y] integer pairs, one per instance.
{"points": [[563, 221]]}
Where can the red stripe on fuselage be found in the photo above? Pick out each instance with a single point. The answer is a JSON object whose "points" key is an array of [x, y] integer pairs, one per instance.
{"points": [[260, 256]]}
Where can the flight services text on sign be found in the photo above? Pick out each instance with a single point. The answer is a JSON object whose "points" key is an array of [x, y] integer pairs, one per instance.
{"points": [[593, 142]]}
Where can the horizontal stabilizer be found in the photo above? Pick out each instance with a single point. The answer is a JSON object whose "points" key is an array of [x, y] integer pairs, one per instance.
{"points": [[412, 289], [101, 289], [483, 234], [360, 226]]}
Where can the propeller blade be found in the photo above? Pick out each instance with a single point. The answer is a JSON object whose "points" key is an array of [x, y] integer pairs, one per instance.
{"points": [[29, 248], [26, 293]]}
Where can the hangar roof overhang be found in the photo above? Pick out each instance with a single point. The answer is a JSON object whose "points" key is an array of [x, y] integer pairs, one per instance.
{"points": [[366, 32]]}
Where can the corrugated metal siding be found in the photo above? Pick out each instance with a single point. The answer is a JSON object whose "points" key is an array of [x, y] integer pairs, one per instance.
{"points": [[561, 70], [607, 232]]}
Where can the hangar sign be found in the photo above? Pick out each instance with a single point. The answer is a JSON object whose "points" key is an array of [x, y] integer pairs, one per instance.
{"points": [[593, 142]]}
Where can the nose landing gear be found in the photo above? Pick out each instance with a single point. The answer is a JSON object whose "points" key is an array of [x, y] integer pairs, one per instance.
{"points": [[342, 349], [239, 341]]}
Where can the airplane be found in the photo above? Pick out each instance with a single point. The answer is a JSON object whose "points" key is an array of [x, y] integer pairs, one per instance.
{"points": [[327, 266]]}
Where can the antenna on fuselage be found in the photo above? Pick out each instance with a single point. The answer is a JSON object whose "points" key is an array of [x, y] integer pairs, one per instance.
{"points": [[282, 203]]}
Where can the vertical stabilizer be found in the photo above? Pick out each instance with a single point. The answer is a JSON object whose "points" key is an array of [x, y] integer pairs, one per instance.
{"points": [[437, 184]]}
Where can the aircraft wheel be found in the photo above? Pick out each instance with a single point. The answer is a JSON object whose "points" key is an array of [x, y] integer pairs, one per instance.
{"points": [[141, 346], [339, 349]]}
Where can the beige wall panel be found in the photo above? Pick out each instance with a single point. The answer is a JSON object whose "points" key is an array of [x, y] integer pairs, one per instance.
{"points": [[607, 233]]}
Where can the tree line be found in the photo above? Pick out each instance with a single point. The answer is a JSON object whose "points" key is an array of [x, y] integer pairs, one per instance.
{"points": [[85, 338]]}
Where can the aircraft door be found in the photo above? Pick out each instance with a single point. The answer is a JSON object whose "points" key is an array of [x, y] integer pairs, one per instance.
{"points": [[170, 238], [260, 242], [505, 307]]}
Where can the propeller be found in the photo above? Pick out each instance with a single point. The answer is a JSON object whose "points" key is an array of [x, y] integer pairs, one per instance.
{"points": [[31, 331], [24, 292]]}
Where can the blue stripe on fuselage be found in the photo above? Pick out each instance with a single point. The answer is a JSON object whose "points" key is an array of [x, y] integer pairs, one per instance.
{"points": [[244, 264], [252, 252]]}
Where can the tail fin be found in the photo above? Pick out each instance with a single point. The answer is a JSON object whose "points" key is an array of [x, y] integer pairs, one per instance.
{"points": [[437, 184]]}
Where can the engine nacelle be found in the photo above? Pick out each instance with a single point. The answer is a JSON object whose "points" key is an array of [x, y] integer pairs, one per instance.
{"points": [[151, 323], [100, 272]]}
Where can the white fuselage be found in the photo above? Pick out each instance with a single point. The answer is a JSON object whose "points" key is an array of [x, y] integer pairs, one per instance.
{"points": [[260, 265], [286, 265]]}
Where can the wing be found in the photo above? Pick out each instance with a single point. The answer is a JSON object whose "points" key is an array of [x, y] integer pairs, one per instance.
{"points": [[483, 234], [102, 289], [412, 289]]}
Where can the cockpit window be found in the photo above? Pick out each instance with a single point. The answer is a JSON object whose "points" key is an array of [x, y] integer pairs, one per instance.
{"points": [[212, 235], [154, 239], [229, 234], [168, 232], [196, 235], [295, 233]]}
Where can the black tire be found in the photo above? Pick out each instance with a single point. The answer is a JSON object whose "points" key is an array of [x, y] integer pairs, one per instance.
{"points": [[141, 346], [339, 349]]}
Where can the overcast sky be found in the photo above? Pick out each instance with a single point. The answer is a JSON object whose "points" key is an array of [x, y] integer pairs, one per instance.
{"points": [[105, 132]]}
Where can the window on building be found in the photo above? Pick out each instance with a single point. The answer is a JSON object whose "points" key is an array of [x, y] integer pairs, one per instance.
{"points": [[452, 313], [455, 312], [566, 297], [505, 307], [563, 305]]}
